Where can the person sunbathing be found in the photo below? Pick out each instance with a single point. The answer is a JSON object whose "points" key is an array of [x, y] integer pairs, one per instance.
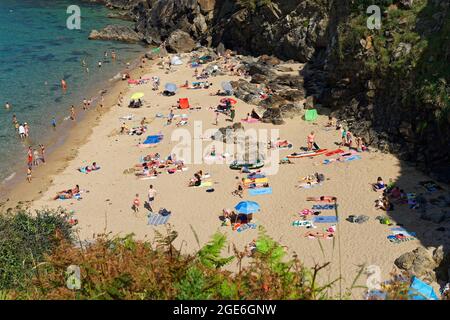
{"points": [[330, 122], [196, 181], [240, 190], [67, 194], [90, 168], [322, 199], [64, 195], [316, 234]]}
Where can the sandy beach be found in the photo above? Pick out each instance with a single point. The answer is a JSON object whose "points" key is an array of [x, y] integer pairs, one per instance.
{"points": [[109, 192]]}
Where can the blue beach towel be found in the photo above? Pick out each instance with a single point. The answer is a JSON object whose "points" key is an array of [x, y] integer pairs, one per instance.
{"points": [[419, 290], [157, 219], [399, 230], [325, 219], [260, 191], [153, 139], [351, 158], [323, 207]]}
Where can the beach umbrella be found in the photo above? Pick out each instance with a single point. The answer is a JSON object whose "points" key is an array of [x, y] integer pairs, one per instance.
{"points": [[247, 207], [226, 85], [137, 95], [231, 100], [171, 87]]}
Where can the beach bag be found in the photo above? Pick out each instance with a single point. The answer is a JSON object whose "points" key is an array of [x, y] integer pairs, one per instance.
{"points": [[164, 212]]}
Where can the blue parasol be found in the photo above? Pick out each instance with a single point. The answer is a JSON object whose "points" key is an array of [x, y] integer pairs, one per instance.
{"points": [[171, 87], [247, 207]]}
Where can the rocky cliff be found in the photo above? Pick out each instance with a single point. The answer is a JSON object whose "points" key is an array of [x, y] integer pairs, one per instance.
{"points": [[390, 84]]}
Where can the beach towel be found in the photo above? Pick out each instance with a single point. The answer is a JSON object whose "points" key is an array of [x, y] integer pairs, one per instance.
{"points": [[351, 158], [157, 219], [83, 170], [324, 207], [307, 154], [303, 223], [419, 290], [430, 186], [402, 231], [257, 180], [205, 184], [153, 139], [247, 226], [311, 115], [333, 152], [256, 176], [251, 120], [260, 191], [325, 219]]}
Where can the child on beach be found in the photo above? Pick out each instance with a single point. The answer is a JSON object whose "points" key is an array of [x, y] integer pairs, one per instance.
{"points": [[136, 203], [29, 175]]}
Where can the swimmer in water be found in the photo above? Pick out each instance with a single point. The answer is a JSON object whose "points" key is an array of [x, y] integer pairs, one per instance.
{"points": [[63, 84], [99, 64], [7, 105], [113, 55]]}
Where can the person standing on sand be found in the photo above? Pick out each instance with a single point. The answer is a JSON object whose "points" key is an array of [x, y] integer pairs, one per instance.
{"points": [[35, 158], [42, 147], [216, 122], [136, 203], [232, 113], [21, 131], [310, 140], [151, 197], [27, 129], [30, 157]]}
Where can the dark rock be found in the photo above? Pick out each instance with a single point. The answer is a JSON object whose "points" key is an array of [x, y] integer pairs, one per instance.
{"points": [[116, 32], [273, 115]]}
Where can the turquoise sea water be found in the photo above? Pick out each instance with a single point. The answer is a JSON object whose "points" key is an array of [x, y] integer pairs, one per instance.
{"points": [[37, 50]]}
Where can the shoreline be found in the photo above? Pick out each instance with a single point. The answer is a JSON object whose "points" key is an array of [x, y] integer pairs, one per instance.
{"points": [[14, 190]]}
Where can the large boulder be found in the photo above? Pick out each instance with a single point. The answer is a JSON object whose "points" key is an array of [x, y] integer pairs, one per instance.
{"points": [[421, 262], [116, 32], [273, 115], [180, 41]]}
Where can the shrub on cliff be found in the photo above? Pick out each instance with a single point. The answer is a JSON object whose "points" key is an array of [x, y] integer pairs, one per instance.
{"points": [[24, 240]]}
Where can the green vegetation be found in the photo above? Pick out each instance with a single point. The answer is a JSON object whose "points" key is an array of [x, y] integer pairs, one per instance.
{"points": [[38, 249], [24, 240], [405, 51]]}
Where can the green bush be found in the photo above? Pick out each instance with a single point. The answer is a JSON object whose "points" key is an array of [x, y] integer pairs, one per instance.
{"points": [[24, 240]]}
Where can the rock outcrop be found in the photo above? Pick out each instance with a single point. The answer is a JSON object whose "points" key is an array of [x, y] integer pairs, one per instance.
{"points": [[180, 41], [116, 32], [427, 264]]}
